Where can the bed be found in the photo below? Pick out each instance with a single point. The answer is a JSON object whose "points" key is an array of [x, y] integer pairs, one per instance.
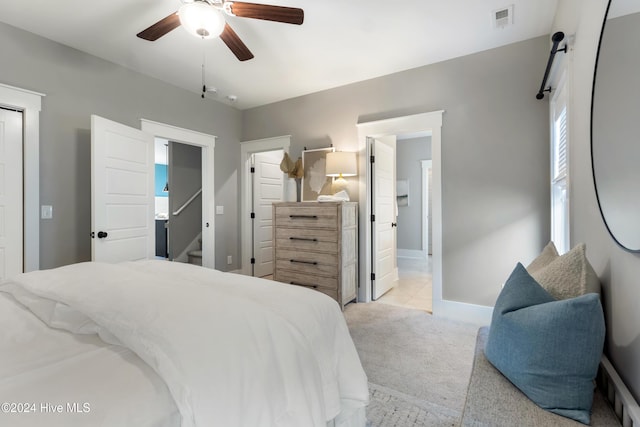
{"points": [[157, 343]]}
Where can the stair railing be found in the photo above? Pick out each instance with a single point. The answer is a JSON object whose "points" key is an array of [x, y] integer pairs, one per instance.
{"points": [[187, 203]]}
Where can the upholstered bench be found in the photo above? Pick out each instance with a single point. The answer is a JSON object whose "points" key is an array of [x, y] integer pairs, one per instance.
{"points": [[492, 400]]}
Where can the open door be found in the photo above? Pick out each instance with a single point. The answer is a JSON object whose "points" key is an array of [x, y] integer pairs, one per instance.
{"points": [[268, 181], [11, 196], [383, 231], [122, 192]]}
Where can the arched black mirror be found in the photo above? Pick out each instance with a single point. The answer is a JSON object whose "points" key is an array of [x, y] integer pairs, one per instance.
{"points": [[615, 123]]}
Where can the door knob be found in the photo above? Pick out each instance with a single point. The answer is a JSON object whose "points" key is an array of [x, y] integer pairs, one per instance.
{"points": [[102, 234], [393, 224]]}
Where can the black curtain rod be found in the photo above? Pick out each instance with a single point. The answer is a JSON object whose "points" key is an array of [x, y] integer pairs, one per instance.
{"points": [[556, 39]]}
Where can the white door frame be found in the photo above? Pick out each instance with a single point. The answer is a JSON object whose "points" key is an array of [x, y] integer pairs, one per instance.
{"points": [[207, 143], [423, 122], [426, 165], [30, 103], [247, 148]]}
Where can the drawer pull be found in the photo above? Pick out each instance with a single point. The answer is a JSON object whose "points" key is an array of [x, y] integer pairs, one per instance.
{"points": [[303, 216], [303, 262], [306, 239], [302, 284]]}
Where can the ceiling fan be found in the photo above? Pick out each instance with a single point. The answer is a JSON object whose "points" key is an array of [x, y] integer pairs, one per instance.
{"points": [[205, 19]]}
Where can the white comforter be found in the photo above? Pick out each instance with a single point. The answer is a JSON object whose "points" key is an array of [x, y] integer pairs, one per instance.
{"points": [[233, 350]]}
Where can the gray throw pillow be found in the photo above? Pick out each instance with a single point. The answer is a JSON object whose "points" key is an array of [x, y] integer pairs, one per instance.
{"points": [[549, 349]]}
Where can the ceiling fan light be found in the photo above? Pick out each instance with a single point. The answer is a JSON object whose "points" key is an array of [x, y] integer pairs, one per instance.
{"points": [[200, 19]]}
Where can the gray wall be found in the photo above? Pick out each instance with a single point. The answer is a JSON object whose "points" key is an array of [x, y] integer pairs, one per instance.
{"points": [[409, 153], [495, 155], [618, 269], [78, 85], [185, 179]]}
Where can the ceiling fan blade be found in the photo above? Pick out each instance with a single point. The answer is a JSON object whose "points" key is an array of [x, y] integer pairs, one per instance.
{"points": [[233, 42], [288, 15], [160, 28]]}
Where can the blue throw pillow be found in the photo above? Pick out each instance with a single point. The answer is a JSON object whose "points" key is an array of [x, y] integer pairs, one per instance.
{"points": [[549, 349]]}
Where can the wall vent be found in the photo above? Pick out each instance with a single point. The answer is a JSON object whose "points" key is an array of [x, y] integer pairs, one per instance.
{"points": [[503, 17]]}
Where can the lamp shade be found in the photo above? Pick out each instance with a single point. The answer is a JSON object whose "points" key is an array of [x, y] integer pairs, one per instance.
{"points": [[341, 163], [201, 19]]}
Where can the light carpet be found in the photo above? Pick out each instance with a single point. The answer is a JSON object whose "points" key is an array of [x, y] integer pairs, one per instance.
{"points": [[418, 365]]}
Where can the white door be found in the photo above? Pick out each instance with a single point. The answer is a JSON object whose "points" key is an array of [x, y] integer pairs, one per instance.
{"points": [[384, 209], [122, 192], [268, 188], [11, 223]]}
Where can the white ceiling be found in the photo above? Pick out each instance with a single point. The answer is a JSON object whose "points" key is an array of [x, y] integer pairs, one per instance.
{"points": [[340, 42]]}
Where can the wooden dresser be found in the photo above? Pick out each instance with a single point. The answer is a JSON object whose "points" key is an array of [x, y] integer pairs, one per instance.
{"points": [[316, 245]]}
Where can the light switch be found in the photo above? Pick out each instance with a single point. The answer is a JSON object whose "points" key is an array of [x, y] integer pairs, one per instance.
{"points": [[219, 210], [46, 212]]}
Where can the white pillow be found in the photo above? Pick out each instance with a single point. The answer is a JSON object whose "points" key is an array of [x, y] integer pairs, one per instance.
{"points": [[569, 275], [548, 255]]}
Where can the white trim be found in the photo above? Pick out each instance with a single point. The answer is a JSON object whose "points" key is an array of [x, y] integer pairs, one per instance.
{"points": [[400, 125], [30, 103], [247, 148], [560, 99], [208, 143], [426, 165], [464, 312], [410, 254]]}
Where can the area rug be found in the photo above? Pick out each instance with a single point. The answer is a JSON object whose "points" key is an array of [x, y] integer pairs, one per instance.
{"points": [[418, 365], [390, 408]]}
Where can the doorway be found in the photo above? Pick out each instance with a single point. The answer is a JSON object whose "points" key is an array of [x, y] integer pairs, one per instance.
{"points": [[30, 104], [259, 189], [178, 201], [413, 286], [425, 122], [205, 145]]}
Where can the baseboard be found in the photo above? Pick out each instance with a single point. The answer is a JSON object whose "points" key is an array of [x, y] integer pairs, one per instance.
{"points": [[411, 254], [235, 271], [463, 312]]}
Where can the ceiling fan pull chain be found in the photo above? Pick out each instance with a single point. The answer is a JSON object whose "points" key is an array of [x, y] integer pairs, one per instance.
{"points": [[204, 59]]}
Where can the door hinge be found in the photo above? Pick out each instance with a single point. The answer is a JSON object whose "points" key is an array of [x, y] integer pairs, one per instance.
{"points": [[373, 276], [373, 218], [372, 159], [253, 215], [253, 260], [252, 170]]}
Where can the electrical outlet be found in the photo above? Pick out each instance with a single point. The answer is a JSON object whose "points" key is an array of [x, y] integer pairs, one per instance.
{"points": [[229, 259]]}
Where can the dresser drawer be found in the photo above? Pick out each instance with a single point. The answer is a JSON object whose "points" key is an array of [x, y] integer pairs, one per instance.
{"points": [[315, 282], [305, 217], [308, 257], [307, 239], [305, 268]]}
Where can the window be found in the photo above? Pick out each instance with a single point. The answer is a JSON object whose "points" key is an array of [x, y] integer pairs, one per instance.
{"points": [[559, 169]]}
